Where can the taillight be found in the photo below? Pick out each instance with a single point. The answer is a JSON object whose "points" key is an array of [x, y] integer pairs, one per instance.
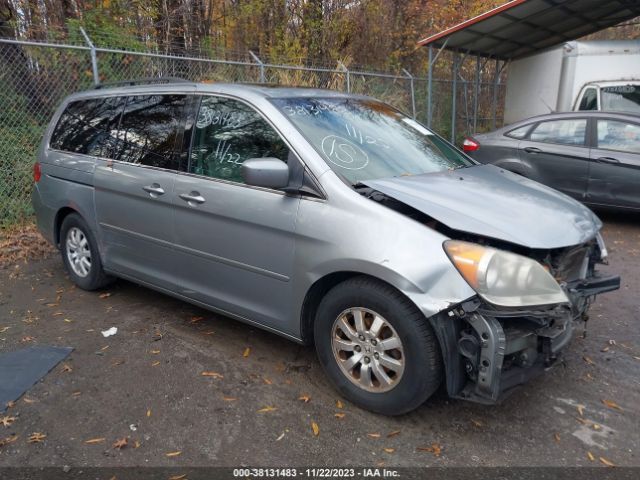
{"points": [[37, 173], [470, 145]]}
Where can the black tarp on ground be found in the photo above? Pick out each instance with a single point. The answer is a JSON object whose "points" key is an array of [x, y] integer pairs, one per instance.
{"points": [[21, 369]]}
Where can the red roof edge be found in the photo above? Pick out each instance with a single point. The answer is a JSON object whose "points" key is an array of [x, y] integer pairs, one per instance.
{"points": [[472, 21]]}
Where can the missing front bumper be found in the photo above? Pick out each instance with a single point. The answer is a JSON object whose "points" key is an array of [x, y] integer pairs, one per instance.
{"points": [[488, 353]]}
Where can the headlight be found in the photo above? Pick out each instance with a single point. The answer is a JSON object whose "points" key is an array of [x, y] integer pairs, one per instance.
{"points": [[504, 278]]}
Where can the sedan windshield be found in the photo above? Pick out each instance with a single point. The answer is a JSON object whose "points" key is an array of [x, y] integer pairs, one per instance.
{"points": [[363, 139]]}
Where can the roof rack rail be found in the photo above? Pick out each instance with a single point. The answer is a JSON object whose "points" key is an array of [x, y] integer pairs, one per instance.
{"points": [[141, 81]]}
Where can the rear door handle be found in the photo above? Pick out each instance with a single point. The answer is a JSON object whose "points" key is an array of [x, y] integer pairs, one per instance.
{"points": [[609, 160], [154, 190], [192, 198], [532, 150]]}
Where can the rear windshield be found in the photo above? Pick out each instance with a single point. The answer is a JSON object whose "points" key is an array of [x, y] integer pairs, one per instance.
{"points": [[363, 139]]}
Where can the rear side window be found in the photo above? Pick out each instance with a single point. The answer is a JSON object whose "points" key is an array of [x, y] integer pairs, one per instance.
{"points": [[519, 132], [589, 100], [88, 126], [150, 129], [618, 136], [228, 132], [562, 132]]}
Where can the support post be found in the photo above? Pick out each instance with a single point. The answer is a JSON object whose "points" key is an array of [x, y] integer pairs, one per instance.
{"points": [[429, 87], [413, 93], [260, 66], [454, 91], [494, 101], [94, 57], [476, 93]]}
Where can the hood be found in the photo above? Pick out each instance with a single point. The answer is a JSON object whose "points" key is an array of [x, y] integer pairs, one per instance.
{"points": [[492, 202]]}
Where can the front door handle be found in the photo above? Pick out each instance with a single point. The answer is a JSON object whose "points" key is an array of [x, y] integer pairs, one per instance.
{"points": [[532, 150], [192, 198], [154, 190], [610, 160]]}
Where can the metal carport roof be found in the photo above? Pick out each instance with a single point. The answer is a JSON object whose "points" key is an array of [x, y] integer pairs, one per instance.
{"points": [[522, 27]]}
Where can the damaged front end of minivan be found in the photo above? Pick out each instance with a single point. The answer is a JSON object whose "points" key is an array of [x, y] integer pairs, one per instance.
{"points": [[492, 344], [534, 281]]}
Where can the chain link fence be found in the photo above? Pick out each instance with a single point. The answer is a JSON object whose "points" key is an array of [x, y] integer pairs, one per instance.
{"points": [[35, 77]]}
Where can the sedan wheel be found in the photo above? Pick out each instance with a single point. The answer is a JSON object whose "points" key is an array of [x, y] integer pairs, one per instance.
{"points": [[78, 252]]}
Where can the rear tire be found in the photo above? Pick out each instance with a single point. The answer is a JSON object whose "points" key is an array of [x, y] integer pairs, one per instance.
{"points": [[377, 348], [80, 254]]}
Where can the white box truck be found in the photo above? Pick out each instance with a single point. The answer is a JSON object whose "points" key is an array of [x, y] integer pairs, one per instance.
{"points": [[592, 75]]}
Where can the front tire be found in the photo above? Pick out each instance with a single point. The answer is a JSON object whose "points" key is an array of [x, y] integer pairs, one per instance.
{"points": [[377, 348], [80, 254]]}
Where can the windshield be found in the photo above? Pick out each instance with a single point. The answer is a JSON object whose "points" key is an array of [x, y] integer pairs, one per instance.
{"points": [[363, 139], [621, 98]]}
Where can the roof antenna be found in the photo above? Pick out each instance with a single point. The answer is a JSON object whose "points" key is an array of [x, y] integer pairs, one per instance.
{"points": [[545, 104]]}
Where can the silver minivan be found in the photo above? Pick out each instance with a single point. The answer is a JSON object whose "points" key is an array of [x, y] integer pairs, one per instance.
{"points": [[327, 218]]}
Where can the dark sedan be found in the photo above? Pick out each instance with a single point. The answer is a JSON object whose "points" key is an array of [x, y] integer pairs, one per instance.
{"points": [[592, 156]]}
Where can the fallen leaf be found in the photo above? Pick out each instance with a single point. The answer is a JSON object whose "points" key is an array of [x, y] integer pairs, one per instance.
{"points": [[27, 339], [389, 450], [7, 421], [267, 381], [154, 352], [339, 404], [556, 437], [339, 415], [178, 477], [580, 409], [93, 441], [196, 319], [8, 440], [105, 295], [605, 349], [136, 444], [612, 404], [29, 400], [434, 448], [148, 413], [10, 404], [588, 360], [304, 398], [596, 426], [315, 428], [477, 423], [606, 462], [37, 437], [393, 434], [246, 352], [120, 444], [212, 374], [591, 457], [267, 409], [66, 368], [373, 435], [75, 394], [229, 399], [173, 454], [4, 329], [155, 364], [637, 358]]}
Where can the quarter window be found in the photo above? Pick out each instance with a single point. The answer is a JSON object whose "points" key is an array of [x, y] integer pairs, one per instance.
{"points": [[88, 126], [563, 132], [519, 132], [149, 130], [618, 136], [228, 132]]}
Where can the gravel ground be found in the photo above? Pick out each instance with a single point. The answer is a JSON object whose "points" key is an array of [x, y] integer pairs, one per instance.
{"points": [[264, 393]]}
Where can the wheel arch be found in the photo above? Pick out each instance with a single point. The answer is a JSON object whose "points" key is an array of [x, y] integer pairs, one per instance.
{"points": [[63, 213]]}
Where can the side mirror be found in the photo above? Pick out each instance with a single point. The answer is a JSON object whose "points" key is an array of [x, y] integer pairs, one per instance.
{"points": [[265, 172]]}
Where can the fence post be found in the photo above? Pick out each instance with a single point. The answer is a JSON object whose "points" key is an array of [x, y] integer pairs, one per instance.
{"points": [[413, 94], [94, 57], [260, 65], [476, 92], [347, 75]]}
